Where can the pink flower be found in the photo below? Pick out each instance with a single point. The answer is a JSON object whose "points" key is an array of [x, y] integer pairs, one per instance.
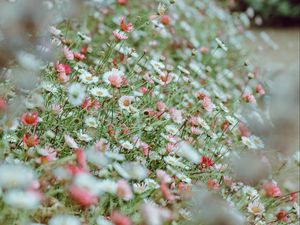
{"points": [[3, 104], [119, 219], [124, 190], [63, 68], [82, 196], [119, 35], [31, 140], [81, 158], [68, 54], [163, 176], [166, 192], [48, 154], [161, 106], [212, 184], [102, 145], [176, 115], [114, 77], [260, 89], [146, 149], [125, 27], [249, 98], [30, 119], [63, 78], [207, 104], [272, 189], [79, 56]]}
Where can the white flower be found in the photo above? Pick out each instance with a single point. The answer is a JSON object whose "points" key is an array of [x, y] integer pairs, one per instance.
{"points": [[127, 145], [91, 122], [151, 184], [70, 141], [84, 137], [257, 141], [10, 123], [76, 94], [256, 208], [49, 87], [172, 129], [64, 220], [157, 66], [251, 192], [17, 176], [155, 215], [87, 182], [131, 170], [22, 199], [203, 123], [139, 188], [87, 78], [175, 162], [107, 186], [100, 92], [187, 151], [125, 102], [102, 221], [248, 142]]}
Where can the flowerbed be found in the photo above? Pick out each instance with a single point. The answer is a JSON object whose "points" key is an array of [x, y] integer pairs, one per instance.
{"points": [[135, 116]]}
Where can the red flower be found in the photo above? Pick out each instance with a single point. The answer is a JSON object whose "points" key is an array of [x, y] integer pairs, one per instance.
{"points": [[30, 119], [225, 126], [282, 216], [31, 140], [205, 163], [165, 20], [125, 27]]}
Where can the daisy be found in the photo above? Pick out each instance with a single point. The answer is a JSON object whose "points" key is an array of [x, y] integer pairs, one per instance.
{"points": [[87, 78], [100, 92], [127, 145], [172, 129], [256, 208], [125, 102], [114, 77], [84, 137], [76, 94], [91, 122], [248, 142]]}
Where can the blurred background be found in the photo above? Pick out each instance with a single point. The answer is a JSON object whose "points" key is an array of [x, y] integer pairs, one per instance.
{"points": [[273, 39]]}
